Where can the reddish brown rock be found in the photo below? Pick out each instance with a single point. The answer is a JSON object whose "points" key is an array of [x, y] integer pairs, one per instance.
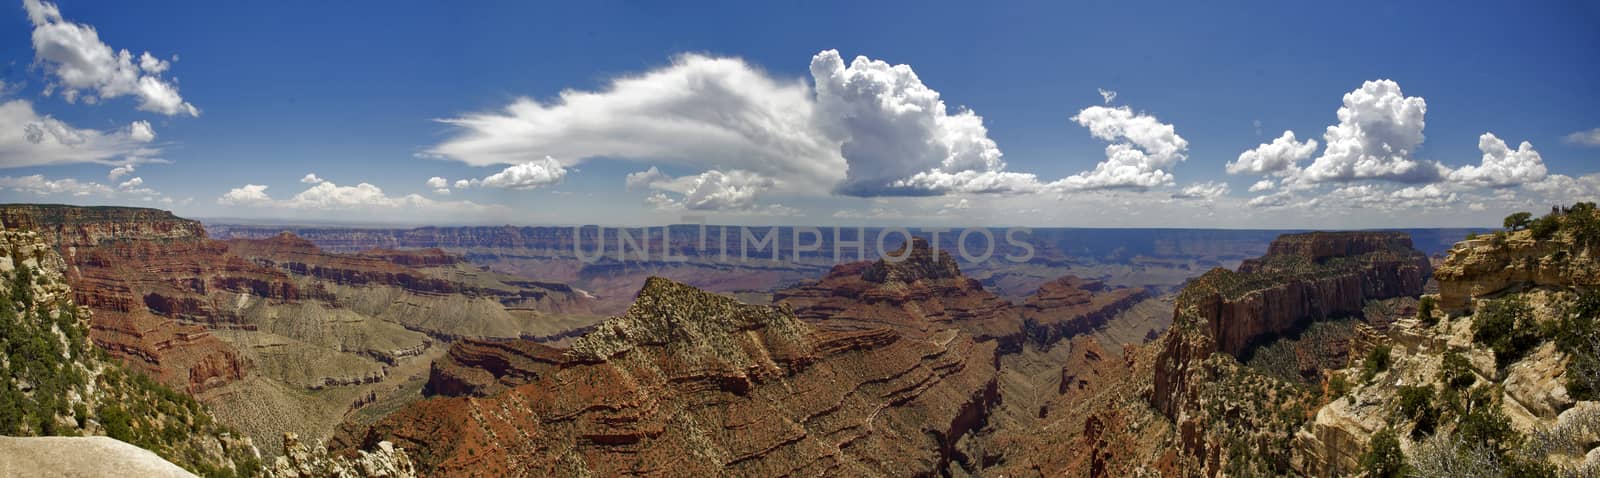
{"points": [[918, 295], [1070, 306], [692, 383], [481, 368], [130, 264]]}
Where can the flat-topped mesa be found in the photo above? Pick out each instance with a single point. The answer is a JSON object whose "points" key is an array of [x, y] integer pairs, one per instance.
{"points": [[126, 263], [77, 226], [1319, 246], [687, 382], [1308, 277], [431, 257], [1311, 276]]}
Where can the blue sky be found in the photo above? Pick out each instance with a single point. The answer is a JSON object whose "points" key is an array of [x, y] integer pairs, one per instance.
{"points": [[353, 92]]}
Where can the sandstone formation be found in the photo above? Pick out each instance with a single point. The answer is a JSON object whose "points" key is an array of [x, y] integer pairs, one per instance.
{"points": [[688, 382], [1491, 264]]}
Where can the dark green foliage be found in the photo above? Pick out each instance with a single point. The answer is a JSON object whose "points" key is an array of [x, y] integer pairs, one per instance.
{"points": [[1545, 228], [1456, 371], [1507, 327], [1577, 334], [1378, 361], [1383, 458], [1425, 310], [1416, 404], [1338, 386], [1489, 426], [1518, 221]]}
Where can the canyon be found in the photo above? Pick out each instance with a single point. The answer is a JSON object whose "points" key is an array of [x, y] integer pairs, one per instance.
{"points": [[432, 341]]}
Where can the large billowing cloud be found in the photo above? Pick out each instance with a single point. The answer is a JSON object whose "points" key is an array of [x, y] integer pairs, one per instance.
{"points": [[83, 67], [1280, 157], [893, 128], [868, 128], [1141, 155], [29, 139], [1378, 134], [1501, 165], [699, 112]]}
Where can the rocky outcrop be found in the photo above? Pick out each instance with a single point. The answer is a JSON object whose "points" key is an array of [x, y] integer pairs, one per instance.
{"points": [[481, 368], [692, 383], [1305, 278], [1489, 265], [300, 460], [53, 382]]}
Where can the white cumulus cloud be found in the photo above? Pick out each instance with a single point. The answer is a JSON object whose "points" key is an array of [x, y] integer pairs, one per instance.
{"points": [[529, 175], [1281, 156], [247, 195], [699, 112], [1378, 133], [1501, 165], [311, 178], [85, 67], [1206, 190], [30, 139], [1143, 150]]}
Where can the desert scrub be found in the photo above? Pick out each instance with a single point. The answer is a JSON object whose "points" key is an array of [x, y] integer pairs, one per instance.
{"points": [[1507, 327], [1378, 361]]}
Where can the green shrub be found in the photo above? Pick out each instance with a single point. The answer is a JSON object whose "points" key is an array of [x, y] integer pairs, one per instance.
{"points": [[1416, 404], [1518, 221], [1545, 228], [1456, 371], [1508, 328], [1378, 361], [1383, 458], [1487, 425]]}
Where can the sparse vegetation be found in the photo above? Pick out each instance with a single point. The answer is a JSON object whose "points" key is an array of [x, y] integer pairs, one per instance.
{"points": [[1507, 327], [1518, 221], [1416, 404], [1383, 458], [1456, 371], [1577, 334], [1378, 361]]}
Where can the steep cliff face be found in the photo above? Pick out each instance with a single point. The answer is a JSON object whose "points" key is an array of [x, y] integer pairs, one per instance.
{"points": [[53, 380], [688, 382], [1307, 277], [125, 263], [1304, 278]]}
